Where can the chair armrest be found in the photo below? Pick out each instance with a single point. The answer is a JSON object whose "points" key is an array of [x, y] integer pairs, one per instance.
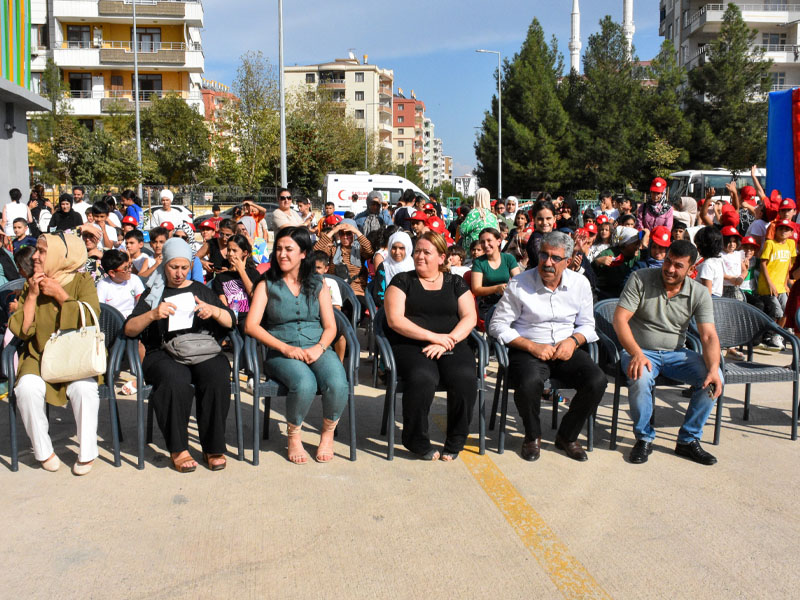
{"points": [[483, 349], [251, 357], [693, 342], [793, 340], [610, 348], [594, 351], [370, 302], [9, 352], [115, 360], [500, 350]]}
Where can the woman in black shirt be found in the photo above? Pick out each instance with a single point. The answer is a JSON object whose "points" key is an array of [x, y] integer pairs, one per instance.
{"points": [[234, 287], [430, 314]]}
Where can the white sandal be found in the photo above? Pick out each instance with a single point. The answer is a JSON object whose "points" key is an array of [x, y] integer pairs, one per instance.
{"points": [[51, 464]]}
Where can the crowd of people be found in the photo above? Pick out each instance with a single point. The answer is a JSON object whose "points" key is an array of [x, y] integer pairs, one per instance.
{"points": [[528, 277]]}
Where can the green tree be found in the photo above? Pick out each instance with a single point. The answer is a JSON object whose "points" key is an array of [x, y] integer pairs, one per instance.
{"points": [[534, 122], [730, 91], [175, 136]]}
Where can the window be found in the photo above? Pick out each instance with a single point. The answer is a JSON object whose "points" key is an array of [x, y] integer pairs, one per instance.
{"points": [[400, 143], [669, 32], [311, 78], [149, 38], [401, 119], [400, 156], [338, 96], [149, 85], [359, 96], [79, 36], [401, 131], [778, 79], [359, 113], [359, 77], [771, 41], [80, 85], [401, 107]]}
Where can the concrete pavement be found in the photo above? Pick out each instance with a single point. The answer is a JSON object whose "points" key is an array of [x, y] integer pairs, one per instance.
{"points": [[483, 526]]}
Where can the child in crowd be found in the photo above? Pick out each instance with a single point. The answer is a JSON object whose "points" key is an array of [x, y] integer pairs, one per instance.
{"points": [[776, 258], [735, 267], [100, 212], [90, 234], [118, 288], [679, 231], [475, 250], [321, 264], [502, 226], [89, 215], [141, 264], [710, 272], [602, 241], [234, 286], [24, 238], [129, 224], [627, 220], [455, 260], [158, 237], [749, 285]]}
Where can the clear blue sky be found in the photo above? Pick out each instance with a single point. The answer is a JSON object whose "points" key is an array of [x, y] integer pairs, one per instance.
{"points": [[430, 45]]}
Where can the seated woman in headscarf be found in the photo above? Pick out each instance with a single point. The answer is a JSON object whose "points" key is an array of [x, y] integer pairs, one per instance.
{"points": [[351, 253], [176, 373], [49, 302], [478, 219], [185, 232], [398, 260]]}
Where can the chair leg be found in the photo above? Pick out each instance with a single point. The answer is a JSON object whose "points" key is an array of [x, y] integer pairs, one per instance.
{"points": [[390, 399], [12, 425], [653, 414], [615, 415], [497, 385], [481, 418], [718, 421], [385, 416], [501, 438], [140, 433], [351, 401], [267, 412], [114, 417], [590, 431], [794, 408], [554, 396], [746, 415], [237, 399], [256, 422], [149, 423]]}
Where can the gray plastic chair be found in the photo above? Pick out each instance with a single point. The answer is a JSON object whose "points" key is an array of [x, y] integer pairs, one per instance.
{"points": [[739, 324], [111, 323], [143, 393], [348, 297], [395, 385], [255, 352]]}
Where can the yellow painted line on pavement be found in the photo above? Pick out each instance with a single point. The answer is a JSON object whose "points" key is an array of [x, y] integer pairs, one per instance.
{"points": [[565, 571]]}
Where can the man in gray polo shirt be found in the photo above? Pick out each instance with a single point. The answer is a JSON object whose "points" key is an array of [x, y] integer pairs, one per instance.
{"points": [[651, 319]]}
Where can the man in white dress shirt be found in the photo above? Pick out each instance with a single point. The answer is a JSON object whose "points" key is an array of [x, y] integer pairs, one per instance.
{"points": [[544, 316]]}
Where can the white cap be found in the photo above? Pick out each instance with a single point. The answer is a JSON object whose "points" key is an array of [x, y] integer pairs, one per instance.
{"points": [[166, 194]]}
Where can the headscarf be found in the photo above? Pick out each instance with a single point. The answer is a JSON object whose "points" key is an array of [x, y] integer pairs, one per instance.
{"points": [[173, 248], [355, 249], [249, 224], [624, 235], [392, 267], [660, 206], [483, 201], [65, 255], [193, 244]]}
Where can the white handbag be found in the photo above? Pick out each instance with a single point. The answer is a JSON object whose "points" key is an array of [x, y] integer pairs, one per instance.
{"points": [[75, 354]]}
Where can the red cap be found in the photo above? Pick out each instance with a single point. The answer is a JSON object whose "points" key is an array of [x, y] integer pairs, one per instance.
{"points": [[419, 216], [590, 228], [787, 203], [749, 240], [748, 193], [129, 220], [661, 236], [493, 202], [436, 224], [729, 217], [333, 220], [658, 185], [208, 224], [784, 223], [775, 196], [727, 231], [429, 206], [602, 220], [168, 225]]}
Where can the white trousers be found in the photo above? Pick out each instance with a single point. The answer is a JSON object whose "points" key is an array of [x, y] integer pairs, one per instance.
{"points": [[85, 400]]}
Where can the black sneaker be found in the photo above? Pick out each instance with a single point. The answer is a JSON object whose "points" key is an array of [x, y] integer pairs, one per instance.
{"points": [[694, 451], [640, 451]]}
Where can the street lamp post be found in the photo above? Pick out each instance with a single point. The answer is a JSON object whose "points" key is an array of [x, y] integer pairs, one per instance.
{"points": [[284, 178], [136, 103], [499, 123]]}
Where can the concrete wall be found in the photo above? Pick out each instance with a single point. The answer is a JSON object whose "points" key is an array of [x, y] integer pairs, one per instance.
{"points": [[13, 155]]}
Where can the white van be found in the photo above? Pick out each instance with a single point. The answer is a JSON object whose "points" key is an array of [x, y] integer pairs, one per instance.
{"points": [[339, 189], [695, 183]]}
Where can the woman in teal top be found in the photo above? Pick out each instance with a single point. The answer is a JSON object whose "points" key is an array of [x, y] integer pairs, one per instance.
{"points": [[291, 313], [492, 271]]}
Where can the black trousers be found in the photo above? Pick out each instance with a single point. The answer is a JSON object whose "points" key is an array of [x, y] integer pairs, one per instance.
{"points": [[528, 375], [421, 376], [172, 399]]}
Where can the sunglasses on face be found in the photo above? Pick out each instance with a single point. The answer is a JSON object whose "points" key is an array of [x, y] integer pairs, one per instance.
{"points": [[285, 197], [544, 257], [181, 237], [124, 268]]}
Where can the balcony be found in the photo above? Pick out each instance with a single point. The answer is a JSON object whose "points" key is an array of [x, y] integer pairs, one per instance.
{"points": [[385, 90], [331, 84], [778, 53], [709, 17], [386, 109], [169, 55], [190, 11], [99, 101]]}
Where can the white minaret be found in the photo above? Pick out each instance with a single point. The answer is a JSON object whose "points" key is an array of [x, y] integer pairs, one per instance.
{"points": [[627, 24], [575, 38]]}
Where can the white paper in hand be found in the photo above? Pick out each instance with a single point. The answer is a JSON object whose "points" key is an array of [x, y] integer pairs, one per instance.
{"points": [[184, 311]]}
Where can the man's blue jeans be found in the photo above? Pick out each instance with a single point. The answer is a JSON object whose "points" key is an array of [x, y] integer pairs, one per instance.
{"points": [[681, 365]]}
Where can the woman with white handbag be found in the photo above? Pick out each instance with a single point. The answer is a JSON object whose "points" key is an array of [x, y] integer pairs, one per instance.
{"points": [[53, 300]]}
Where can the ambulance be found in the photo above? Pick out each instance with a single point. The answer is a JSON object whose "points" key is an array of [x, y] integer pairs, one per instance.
{"points": [[339, 189]]}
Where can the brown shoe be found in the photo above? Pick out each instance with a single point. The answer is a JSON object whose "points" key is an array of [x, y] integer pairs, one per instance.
{"points": [[573, 449], [531, 449]]}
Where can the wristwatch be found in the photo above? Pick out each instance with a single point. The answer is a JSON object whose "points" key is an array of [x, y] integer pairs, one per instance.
{"points": [[577, 343]]}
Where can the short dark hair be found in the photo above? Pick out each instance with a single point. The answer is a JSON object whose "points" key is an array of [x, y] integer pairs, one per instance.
{"points": [[136, 233], [709, 242], [248, 198], [349, 214], [330, 204], [15, 194], [456, 250], [23, 259], [541, 205], [215, 207], [100, 208], [629, 217], [589, 214], [605, 194], [22, 220], [283, 189], [320, 256], [683, 248], [409, 196], [227, 224], [78, 187], [159, 231], [492, 231], [113, 260]]}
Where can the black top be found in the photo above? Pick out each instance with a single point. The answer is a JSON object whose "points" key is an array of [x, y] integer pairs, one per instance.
{"points": [[156, 333], [229, 284], [434, 310], [61, 221], [215, 255]]}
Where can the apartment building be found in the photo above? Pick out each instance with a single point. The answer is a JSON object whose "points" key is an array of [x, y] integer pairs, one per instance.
{"points": [[215, 96], [407, 137], [692, 24], [91, 41], [447, 161], [364, 91]]}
